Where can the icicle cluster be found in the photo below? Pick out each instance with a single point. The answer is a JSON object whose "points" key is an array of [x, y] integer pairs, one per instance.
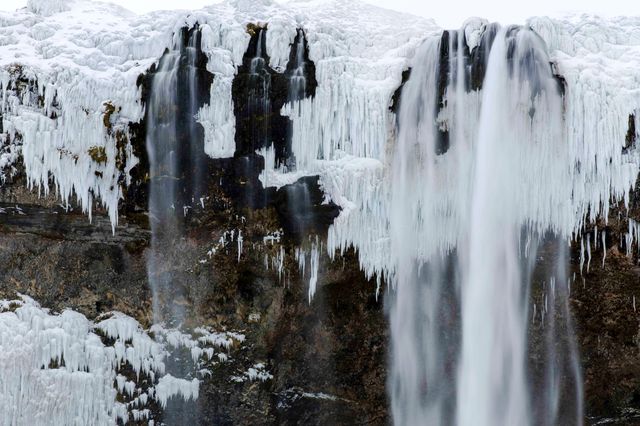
{"points": [[57, 368], [344, 134], [79, 56]]}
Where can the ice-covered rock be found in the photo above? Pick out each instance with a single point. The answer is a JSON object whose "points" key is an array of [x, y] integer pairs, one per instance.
{"points": [[69, 88], [65, 369]]}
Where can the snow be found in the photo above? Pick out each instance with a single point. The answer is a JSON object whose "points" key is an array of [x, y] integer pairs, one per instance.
{"points": [[48, 7], [255, 373]]}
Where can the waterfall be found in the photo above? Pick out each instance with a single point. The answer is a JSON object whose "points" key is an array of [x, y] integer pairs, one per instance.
{"points": [[163, 191], [176, 160], [177, 163], [299, 201], [481, 141], [298, 77], [259, 97]]}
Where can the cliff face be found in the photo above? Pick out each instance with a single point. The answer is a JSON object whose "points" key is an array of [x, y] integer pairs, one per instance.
{"points": [[293, 137], [327, 356], [244, 263]]}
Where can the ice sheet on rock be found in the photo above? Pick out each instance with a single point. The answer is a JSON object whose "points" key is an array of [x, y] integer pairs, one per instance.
{"points": [[73, 62], [169, 386], [64, 369], [82, 54]]}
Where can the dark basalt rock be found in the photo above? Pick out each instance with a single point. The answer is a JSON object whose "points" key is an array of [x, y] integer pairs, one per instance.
{"points": [[632, 135], [301, 209], [479, 57], [258, 98], [448, 46], [397, 95], [607, 325], [309, 65], [136, 194]]}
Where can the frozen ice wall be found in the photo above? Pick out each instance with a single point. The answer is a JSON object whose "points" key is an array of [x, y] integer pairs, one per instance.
{"points": [[61, 94], [65, 369], [415, 189], [70, 72]]}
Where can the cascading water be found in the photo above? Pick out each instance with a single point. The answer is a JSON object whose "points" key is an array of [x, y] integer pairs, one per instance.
{"points": [[298, 77], [460, 307], [259, 99], [298, 194], [177, 181], [163, 189], [176, 160]]}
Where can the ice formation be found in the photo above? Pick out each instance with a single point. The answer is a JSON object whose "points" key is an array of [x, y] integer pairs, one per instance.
{"points": [[76, 60], [70, 65], [257, 372], [409, 199], [312, 253], [65, 369]]}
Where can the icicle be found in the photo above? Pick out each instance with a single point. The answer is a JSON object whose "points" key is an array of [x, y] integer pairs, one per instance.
{"points": [[315, 263], [604, 246], [588, 251], [581, 253]]}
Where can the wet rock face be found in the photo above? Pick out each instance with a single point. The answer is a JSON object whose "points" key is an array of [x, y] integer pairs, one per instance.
{"points": [[606, 323], [395, 99], [631, 136], [328, 356], [608, 327], [308, 67], [301, 209], [192, 91], [259, 92]]}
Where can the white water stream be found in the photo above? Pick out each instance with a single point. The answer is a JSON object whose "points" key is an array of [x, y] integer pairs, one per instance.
{"points": [[459, 315]]}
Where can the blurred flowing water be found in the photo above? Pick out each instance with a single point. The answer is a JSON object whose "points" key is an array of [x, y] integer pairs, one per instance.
{"points": [[473, 171]]}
